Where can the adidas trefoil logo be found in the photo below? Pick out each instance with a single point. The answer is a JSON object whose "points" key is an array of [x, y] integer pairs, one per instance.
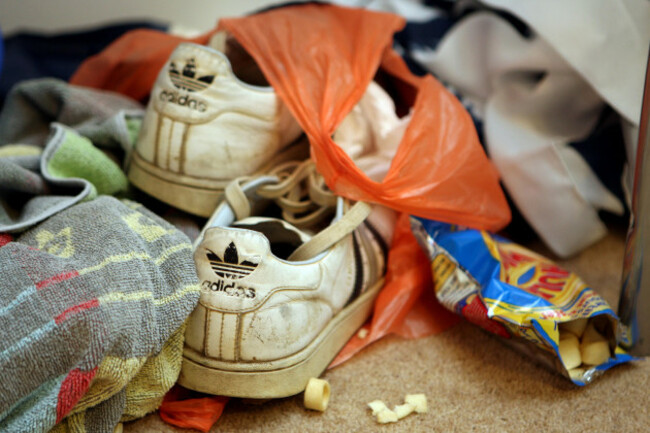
{"points": [[187, 79], [230, 266]]}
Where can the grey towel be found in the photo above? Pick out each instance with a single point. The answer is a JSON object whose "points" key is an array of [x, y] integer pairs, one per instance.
{"points": [[92, 307], [60, 144]]}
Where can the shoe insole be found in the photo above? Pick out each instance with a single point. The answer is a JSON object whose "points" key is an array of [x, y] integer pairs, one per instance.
{"points": [[284, 238]]}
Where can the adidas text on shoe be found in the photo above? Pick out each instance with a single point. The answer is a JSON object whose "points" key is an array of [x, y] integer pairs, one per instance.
{"points": [[281, 296], [205, 126]]}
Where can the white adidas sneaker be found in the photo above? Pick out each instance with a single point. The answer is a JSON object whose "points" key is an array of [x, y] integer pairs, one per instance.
{"points": [[281, 296], [211, 118]]}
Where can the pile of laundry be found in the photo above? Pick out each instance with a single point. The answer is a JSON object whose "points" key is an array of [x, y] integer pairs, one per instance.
{"points": [[225, 212]]}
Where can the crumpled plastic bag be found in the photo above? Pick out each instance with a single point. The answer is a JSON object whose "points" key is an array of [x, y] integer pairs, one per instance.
{"points": [[407, 305], [188, 409], [439, 170]]}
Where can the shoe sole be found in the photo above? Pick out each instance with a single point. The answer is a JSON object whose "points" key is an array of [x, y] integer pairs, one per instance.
{"points": [[175, 189], [284, 381], [197, 196]]}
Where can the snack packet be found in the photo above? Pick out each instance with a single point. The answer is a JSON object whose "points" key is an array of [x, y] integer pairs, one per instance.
{"points": [[536, 306]]}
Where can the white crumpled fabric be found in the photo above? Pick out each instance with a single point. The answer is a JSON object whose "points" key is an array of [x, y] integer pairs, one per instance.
{"points": [[537, 94]]}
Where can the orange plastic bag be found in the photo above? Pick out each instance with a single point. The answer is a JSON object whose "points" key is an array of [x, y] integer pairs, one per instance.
{"points": [[407, 305], [320, 59]]}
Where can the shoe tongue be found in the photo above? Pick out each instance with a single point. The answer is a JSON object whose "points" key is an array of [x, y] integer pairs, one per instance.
{"points": [[218, 41], [283, 237]]}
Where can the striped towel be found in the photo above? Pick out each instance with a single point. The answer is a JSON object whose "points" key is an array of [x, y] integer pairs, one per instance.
{"points": [[92, 309]]}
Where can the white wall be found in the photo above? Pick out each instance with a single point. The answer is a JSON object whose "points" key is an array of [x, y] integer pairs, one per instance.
{"points": [[65, 15]]}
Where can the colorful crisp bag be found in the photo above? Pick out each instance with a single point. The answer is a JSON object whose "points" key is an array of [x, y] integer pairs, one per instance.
{"points": [[536, 306]]}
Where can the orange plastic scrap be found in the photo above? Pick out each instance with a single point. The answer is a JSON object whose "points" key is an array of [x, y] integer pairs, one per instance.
{"points": [[406, 306], [131, 63], [187, 409], [320, 59]]}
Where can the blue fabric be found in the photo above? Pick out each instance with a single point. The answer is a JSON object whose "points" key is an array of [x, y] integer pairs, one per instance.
{"points": [[604, 151], [1, 52], [30, 55]]}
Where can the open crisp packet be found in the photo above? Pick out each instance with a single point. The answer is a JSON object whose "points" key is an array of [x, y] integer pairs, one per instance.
{"points": [[537, 307]]}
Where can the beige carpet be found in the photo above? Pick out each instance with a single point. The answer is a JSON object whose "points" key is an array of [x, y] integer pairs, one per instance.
{"points": [[472, 381]]}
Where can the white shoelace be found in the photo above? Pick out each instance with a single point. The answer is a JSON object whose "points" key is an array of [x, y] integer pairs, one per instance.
{"points": [[305, 200]]}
